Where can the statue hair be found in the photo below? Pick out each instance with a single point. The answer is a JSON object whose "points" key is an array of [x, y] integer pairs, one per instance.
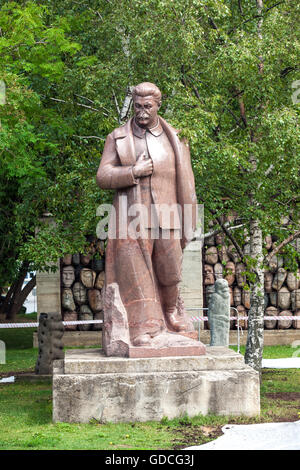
{"points": [[147, 89]]}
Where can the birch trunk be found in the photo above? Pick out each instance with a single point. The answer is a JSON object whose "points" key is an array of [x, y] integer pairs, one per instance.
{"points": [[255, 338]]}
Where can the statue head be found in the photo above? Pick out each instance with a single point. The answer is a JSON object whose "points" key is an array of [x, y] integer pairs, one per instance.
{"points": [[68, 275], [146, 103]]}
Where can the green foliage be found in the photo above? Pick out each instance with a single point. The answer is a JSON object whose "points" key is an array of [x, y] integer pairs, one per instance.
{"points": [[67, 66]]}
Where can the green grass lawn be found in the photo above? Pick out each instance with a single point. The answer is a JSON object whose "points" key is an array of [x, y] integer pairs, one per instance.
{"points": [[26, 410]]}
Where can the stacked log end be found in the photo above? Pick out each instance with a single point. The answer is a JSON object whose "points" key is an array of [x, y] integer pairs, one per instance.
{"points": [[82, 281], [282, 287]]}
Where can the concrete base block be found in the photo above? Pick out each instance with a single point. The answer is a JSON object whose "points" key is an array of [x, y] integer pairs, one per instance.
{"points": [[87, 385]]}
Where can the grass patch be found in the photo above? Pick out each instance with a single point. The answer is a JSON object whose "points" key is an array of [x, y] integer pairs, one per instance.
{"points": [[271, 352], [26, 410]]}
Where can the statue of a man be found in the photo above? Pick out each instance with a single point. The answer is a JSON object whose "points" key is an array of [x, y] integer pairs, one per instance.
{"points": [[150, 168]]}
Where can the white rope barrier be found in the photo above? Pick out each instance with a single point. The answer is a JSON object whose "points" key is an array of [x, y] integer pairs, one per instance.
{"points": [[85, 322]]}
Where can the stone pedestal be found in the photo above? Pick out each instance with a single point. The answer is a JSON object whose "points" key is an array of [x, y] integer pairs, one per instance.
{"points": [[88, 385]]}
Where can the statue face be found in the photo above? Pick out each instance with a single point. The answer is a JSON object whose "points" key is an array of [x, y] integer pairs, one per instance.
{"points": [[79, 293], [145, 110], [67, 299], [208, 274], [68, 276]]}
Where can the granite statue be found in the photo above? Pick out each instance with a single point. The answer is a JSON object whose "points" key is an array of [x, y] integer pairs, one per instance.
{"points": [[150, 168]]}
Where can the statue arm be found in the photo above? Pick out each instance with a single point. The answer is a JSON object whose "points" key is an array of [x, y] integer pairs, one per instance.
{"points": [[111, 174]]}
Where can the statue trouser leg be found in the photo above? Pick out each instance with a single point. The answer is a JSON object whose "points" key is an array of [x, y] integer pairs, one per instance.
{"points": [[129, 264], [167, 264]]}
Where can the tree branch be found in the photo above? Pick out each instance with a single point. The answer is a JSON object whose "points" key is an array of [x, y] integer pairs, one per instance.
{"points": [[285, 242]]}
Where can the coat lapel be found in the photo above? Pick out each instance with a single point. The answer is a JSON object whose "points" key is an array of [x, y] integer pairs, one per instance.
{"points": [[125, 144]]}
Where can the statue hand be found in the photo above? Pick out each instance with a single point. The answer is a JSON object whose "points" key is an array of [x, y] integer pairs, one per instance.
{"points": [[143, 166]]}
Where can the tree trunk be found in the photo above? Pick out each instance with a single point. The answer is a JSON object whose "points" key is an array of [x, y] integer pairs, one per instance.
{"points": [[255, 338], [20, 298]]}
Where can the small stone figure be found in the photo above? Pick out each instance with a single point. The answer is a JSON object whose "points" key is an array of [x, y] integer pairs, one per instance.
{"points": [[95, 300], [237, 296], [293, 280], [68, 275], [68, 300], [211, 255], [50, 333], [279, 279], [87, 277], [270, 312], [219, 314], [79, 292], [218, 270], [268, 281], [100, 280], [284, 298], [230, 270], [208, 275]]}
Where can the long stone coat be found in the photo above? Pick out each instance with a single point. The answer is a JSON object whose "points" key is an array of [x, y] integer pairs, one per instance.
{"points": [[128, 262]]}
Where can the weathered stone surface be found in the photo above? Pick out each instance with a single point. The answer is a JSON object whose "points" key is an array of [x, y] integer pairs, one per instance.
{"points": [[268, 281], [68, 300], [107, 389], [295, 298], [116, 339], [246, 298], [70, 316], [269, 312], [223, 255], [293, 280], [85, 315], [50, 332], [237, 296], [98, 316], [168, 344], [275, 263], [211, 255], [268, 242], [79, 293], [209, 278], [76, 259], [218, 271], [296, 322], [230, 272], [233, 255], [67, 259], [68, 276], [98, 265], [85, 259], [100, 280], [208, 291], [284, 324], [219, 313], [242, 312], [284, 298], [95, 300], [88, 277], [279, 279]]}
